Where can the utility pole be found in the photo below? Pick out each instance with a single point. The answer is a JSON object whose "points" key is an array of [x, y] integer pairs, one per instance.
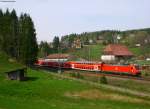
{"points": [[90, 42], [59, 61]]}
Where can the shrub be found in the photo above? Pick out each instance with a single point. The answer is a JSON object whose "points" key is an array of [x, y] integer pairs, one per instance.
{"points": [[145, 73], [77, 75], [72, 74], [103, 80]]}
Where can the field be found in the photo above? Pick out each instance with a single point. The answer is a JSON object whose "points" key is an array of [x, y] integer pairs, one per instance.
{"points": [[136, 85], [42, 90], [45, 91]]}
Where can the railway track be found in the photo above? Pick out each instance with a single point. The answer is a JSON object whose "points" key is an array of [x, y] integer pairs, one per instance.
{"points": [[117, 75], [94, 74]]}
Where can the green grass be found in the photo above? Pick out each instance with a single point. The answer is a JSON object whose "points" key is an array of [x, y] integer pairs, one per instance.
{"points": [[8, 64], [94, 52], [136, 51], [44, 91], [143, 62], [91, 52], [136, 85]]}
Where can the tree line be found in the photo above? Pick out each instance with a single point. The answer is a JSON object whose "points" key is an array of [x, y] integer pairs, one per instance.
{"points": [[46, 48], [18, 36], [129, 38]]}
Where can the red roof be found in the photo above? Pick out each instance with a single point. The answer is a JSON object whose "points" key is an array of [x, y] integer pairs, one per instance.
{"points": [[58, 56], [117, 50]]}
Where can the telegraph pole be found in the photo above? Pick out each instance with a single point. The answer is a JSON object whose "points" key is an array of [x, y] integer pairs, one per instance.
{"points": [[90, 42], [59, 61]]}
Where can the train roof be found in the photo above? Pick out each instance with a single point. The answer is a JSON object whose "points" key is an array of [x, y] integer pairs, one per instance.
{"points": [[88, 62]]}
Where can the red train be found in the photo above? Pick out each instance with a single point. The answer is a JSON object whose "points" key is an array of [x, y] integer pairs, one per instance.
{"points": [[91, 66]]}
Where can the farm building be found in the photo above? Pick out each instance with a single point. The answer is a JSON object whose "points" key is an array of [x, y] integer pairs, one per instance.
{"points": [[18, 74], [59, 57], [116, 52]]}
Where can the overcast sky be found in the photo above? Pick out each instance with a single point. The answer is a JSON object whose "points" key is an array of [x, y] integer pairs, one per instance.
{"points": [[61, 17]]}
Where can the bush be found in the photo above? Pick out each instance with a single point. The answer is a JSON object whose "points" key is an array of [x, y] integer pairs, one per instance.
{"points": [[72, 74], [77, 75], [145, 73], [103, 80]]}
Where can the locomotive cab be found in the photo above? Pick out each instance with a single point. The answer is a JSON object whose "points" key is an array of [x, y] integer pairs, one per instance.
{"points": [[135, 70]]}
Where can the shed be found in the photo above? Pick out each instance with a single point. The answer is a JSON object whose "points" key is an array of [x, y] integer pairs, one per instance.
{"points": [[18, 74]]}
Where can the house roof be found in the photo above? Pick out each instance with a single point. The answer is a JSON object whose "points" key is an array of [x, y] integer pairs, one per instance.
{"points": [[58, 56], [117, 50]]}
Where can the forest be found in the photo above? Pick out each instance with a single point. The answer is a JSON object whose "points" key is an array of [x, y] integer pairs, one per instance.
{"points": [[18, 37]]}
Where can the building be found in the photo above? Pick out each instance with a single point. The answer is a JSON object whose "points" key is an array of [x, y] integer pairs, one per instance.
{"points": [[100, 40], [59, 57], [18, 74], [117, 52], [77, 43]]}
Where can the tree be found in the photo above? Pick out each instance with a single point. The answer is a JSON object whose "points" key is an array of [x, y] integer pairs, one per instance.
{"points": [[6, 32], [56, 43], [1, 27], [44, 49], [18, 37], [14, 35], [28, 46]]}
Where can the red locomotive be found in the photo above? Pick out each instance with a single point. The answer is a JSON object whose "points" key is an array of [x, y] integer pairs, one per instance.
{"points": [[91, 66]]}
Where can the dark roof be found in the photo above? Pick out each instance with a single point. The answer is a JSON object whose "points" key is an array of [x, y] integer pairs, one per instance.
{"points": [[58, 56], [117, 50]]}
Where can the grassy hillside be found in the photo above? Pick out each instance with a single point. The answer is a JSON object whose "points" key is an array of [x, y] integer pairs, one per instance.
{"points": [[44, 91], [91, 52], [8, 64], [94, 52]]}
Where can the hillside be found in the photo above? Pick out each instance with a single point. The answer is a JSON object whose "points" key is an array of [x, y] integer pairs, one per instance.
{"points": [[94, 52], [8, 64], [108, 36], [93, 42], [46, 91], [90, 52]]}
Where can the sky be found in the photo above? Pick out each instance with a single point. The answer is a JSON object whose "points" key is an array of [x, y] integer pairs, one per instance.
{"points": [[62, 17]]}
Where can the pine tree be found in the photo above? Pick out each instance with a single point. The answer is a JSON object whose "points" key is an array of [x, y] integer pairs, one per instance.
{"points": [[6, 32], [1, 26], [44, 49], [28, 44], [56, 44], [14, 34], [18, 37]]}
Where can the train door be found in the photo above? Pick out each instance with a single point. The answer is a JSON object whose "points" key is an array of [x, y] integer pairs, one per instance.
{"points": [[96, 67], [72, 65]]}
